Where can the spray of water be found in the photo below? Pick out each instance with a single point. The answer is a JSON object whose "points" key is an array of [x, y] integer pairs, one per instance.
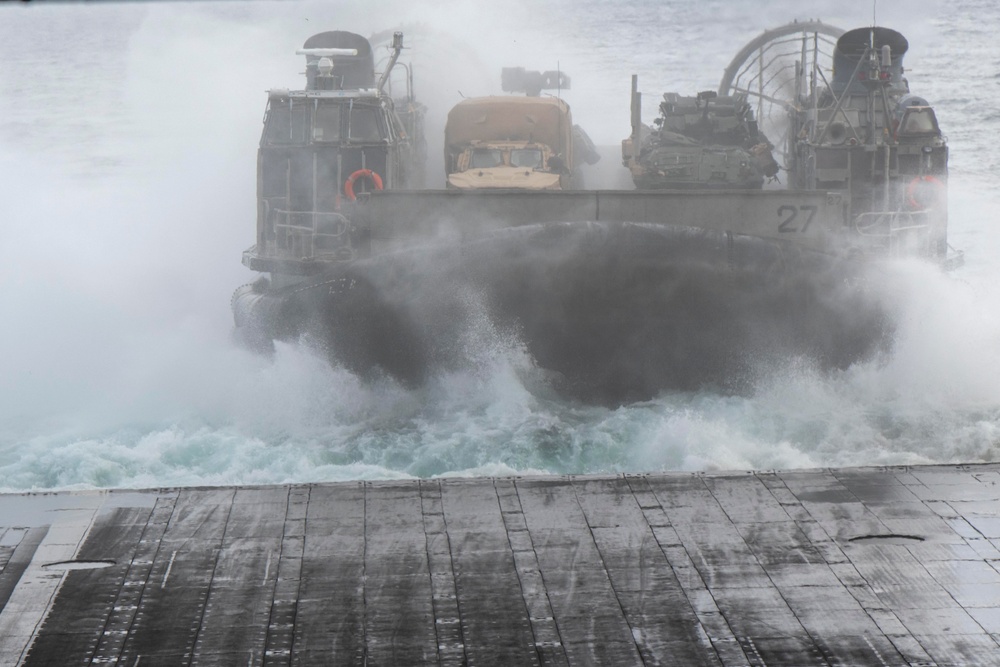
{"points": [[132, 195]]}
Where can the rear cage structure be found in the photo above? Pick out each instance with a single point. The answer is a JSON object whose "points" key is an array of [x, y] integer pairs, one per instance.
{"points": [[839, 105]]}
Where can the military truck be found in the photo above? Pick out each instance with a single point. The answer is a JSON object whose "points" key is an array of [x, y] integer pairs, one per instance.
{"points": [[706, 142], [527, 143]]}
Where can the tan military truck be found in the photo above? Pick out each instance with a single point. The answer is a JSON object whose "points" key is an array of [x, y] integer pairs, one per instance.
{"points": [[527, 143]]}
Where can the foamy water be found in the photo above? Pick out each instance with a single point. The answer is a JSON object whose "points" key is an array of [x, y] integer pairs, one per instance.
{"points": [[129, 179]]}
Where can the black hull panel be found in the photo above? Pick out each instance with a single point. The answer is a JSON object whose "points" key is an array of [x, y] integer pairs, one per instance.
{"points": [[619, 310]]}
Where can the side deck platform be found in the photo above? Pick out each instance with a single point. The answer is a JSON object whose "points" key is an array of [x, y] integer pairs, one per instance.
{"points": [[866, 566]]}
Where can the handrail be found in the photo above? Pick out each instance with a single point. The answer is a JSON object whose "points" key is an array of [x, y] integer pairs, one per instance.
{"points": [[315, 221], [903, 231], [314, 234]]}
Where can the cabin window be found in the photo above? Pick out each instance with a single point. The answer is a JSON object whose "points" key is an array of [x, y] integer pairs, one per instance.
{"points": [[286, 124], [484, 158], [918, 121], [529, 158], [326, 123], [364, 124]]}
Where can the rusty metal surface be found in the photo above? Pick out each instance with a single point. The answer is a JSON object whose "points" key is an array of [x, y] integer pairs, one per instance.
{"points": [[868, 566]]}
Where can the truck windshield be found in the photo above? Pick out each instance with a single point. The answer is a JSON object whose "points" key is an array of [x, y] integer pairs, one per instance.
{"points": [[918, 121], [530, 158], [484, 158]]}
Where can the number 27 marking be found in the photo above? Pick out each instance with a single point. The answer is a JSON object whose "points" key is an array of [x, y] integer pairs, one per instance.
{"points": [[789, 213]]}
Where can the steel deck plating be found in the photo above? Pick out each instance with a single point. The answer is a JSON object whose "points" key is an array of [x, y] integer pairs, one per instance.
{"points": [[867, 566]]}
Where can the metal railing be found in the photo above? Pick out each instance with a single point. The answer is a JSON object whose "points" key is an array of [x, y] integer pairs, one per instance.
{"points": [[311, 234], [897, 233]]}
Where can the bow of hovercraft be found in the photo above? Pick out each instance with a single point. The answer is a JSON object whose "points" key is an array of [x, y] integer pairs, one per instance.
{"points": [[618, 310]]}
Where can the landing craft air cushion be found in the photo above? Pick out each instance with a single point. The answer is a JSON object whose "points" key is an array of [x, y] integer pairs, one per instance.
{"points": [[620, 294]]}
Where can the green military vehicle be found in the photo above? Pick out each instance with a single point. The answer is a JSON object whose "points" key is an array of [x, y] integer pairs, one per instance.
{"points": [[704, 142]]}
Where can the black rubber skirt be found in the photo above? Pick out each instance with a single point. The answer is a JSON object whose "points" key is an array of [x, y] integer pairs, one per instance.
{"points": [[618, 311]]}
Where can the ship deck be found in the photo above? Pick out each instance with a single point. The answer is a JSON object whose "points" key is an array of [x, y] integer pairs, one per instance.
{"points": [[865, 566]]}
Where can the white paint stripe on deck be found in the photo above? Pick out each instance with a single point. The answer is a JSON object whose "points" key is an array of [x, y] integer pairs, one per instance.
{"points": [[170, 566]]}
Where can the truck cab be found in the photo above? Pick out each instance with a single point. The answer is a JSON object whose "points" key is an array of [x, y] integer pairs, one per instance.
{"points": [[525, 143]]}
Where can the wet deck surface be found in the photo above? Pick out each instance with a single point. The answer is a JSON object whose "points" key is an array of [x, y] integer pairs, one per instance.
{"points": [[836, 567]]}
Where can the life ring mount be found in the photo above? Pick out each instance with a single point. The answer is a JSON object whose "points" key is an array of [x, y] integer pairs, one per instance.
{"points": [[372, 176], [924, 192]]}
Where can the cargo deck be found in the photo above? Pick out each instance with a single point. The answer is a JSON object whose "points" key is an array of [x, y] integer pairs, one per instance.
{"points": [[865, 566]]}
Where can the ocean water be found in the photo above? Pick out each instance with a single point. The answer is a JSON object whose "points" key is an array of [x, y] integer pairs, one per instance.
{"points": [[128, 137]]}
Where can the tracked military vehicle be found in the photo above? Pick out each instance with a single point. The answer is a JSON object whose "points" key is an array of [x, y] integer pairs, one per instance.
{"points": [[703, 142]]}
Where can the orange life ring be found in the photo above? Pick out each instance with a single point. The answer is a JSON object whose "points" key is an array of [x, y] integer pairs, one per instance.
{"points": [[367, 173], [924, 192]]}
